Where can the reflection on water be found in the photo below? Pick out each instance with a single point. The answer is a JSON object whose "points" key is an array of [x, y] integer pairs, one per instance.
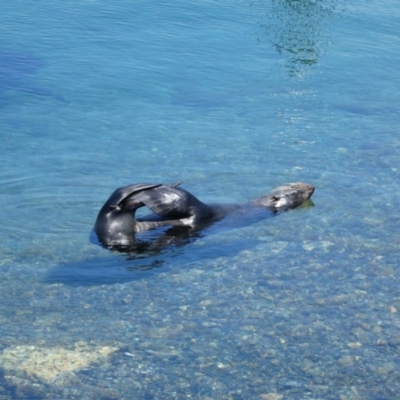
{"points": [[17, 72], [298, 29], [15, 67]]}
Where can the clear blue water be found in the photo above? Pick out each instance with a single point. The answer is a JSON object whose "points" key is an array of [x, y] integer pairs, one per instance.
{"points": [[232, 99]]}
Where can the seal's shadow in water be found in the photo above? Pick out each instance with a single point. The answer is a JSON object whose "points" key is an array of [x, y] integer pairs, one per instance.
{"points": [[152, 252], [148, 256]]}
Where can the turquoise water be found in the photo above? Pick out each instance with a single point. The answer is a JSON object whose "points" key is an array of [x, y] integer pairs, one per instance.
{"points": [[232, 99]]}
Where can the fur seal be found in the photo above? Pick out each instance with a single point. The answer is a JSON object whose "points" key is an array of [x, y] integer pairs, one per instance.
{"points": [[116, 224]]}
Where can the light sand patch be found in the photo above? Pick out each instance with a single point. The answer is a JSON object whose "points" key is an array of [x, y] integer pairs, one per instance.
{"points": [[48, 363]]}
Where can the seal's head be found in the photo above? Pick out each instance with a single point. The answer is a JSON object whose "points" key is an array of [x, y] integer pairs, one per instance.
{"points": [[116, 222], [285, 197]]}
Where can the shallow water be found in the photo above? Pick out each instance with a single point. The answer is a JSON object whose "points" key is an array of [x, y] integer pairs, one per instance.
{"points": [[232, 99]]}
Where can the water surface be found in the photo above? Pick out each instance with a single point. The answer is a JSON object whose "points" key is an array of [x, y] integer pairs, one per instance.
{"points": [[232, 99]]}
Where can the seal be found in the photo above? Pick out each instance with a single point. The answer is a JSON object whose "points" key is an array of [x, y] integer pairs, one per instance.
{"points": [[116, 224]]}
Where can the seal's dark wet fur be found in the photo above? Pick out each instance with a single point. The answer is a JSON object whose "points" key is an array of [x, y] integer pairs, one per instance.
{"points": [[116, 224]]}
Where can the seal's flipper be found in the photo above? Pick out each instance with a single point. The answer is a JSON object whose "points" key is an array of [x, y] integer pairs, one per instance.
{"points": [[125, 197], [133, 201], [175, 184], [174, 203], [166, 201]]}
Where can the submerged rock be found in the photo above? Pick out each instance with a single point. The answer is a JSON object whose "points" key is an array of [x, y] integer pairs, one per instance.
{"points": [[49, 363]]}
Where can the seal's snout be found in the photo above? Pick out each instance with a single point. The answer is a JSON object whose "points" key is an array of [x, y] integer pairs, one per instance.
{"points": [[290, 195], [297, 192], [308, 190]]}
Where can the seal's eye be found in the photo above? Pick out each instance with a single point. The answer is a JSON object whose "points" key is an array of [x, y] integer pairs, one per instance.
{"points": [[112, 206]]}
